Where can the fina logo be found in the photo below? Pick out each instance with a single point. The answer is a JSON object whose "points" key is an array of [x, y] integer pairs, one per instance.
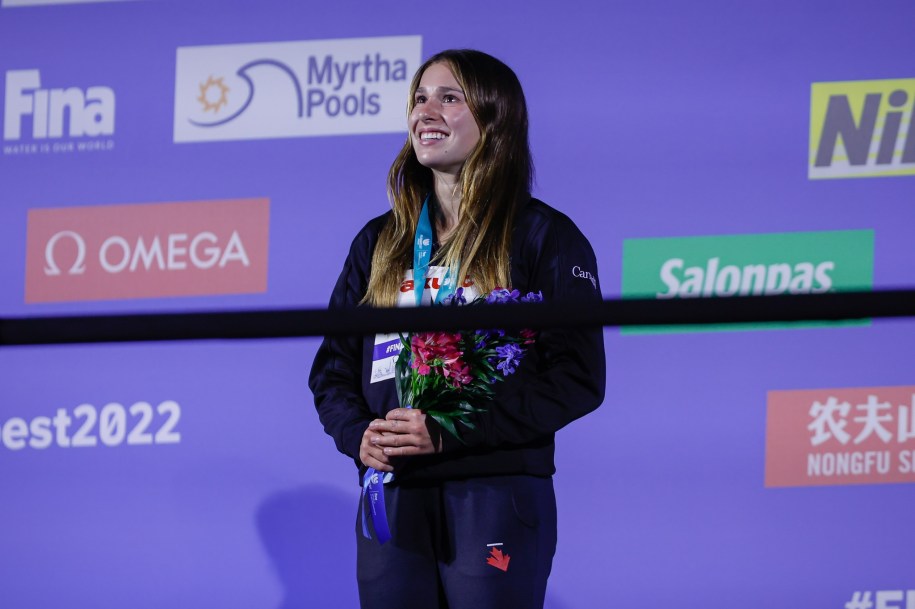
{"points": [[293, 89], [54, 114]]}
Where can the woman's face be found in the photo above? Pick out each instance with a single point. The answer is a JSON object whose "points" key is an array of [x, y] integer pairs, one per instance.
{"points": [[443, 130]]}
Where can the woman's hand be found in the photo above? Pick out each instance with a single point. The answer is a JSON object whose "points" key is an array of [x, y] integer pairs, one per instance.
{"points": [[403, 433], [372, 455]]}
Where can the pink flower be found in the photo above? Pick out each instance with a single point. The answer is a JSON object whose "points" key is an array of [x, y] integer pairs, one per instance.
{"points": [[435, 350], [461, 373], [457, 372], [421, 369]]}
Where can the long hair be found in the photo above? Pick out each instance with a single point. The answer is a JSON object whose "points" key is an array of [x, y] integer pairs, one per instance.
{"points": [[494, 182]]}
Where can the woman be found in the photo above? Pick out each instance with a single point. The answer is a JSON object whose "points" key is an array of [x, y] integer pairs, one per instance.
{"points": [[473, 521]]}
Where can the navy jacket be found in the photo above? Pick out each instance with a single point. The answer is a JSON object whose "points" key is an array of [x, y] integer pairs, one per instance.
{"points": [[559, 380]]}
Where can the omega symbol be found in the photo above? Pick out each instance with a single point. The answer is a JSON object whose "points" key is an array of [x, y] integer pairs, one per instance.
{"points": [[78, 266]]}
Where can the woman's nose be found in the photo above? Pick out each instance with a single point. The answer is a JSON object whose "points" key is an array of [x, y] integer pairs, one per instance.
{"points": [[430, 110]]}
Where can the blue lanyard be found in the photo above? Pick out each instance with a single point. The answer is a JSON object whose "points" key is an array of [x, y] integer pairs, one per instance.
{"points": [[422, 254]]}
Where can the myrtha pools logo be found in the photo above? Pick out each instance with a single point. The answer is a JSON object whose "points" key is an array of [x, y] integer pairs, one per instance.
{"points": [[862, 129], [40, 120], [293, 89]]}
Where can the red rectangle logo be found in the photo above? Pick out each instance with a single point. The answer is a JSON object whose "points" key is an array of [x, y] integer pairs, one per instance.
{"points": [[824, 437], [148, 250]]}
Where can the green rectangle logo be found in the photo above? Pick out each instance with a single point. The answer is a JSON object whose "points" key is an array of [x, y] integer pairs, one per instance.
{"points": [[747, 265]]}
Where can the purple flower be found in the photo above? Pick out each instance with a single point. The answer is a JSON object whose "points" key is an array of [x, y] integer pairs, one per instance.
{"points": [[455, 299], [533, 297], [485, 336], [510, 356], [501, 295]]}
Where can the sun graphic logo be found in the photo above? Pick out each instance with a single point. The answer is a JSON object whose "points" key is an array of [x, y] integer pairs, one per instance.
{"points": [[213, 89]]}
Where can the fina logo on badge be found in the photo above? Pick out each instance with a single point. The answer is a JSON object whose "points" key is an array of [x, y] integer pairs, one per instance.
{"points": [[293, 89]]}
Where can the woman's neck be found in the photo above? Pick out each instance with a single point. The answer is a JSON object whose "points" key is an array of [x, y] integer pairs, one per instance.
{"points": [[448, 196]]}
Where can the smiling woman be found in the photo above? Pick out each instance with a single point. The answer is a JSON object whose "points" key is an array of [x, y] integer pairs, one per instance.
{"points": [[466, 518], [443, 130]]}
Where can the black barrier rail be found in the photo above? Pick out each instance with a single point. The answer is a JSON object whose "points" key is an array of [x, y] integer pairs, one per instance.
{"points": [[287, 323]]}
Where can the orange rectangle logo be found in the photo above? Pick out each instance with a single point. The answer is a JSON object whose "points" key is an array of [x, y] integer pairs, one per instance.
{"points": [[822, 437], [148, 250]]}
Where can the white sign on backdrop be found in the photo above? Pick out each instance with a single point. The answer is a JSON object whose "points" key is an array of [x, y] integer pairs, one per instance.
{"points": [[294, 89]]}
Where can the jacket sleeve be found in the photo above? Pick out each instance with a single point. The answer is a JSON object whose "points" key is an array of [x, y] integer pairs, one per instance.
{"points": [[563, 376], [336, 374]]}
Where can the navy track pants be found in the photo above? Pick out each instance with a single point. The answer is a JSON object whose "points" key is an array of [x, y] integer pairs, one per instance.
{"points": [[461, 544]]}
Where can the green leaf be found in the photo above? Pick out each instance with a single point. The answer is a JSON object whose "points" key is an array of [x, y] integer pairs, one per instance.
{"points": [[467, 423], [448, 425]]}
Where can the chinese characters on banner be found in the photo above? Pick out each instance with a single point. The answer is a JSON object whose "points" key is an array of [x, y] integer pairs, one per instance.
{"points": [[840, 436]]}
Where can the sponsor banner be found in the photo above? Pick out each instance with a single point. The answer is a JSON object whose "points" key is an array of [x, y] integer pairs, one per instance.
{"points": [[85, 426], [747, 265], [294, 89], [4, 3], [821, 437], [861, 129], [881, 599], [147, 250], [38, 119]]}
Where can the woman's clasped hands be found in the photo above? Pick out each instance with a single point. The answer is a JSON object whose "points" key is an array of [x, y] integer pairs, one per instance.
{"points": [[402, 433]]}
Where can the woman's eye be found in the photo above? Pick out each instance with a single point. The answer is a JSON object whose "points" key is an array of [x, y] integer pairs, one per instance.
{"points": [[420, 99], [449, 99]]}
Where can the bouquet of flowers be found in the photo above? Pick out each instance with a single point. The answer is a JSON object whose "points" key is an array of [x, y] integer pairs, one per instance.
{"points": [[450, 375]]}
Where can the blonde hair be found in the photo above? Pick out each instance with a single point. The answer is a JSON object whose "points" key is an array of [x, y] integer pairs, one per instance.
{"points": [[494, 182]]}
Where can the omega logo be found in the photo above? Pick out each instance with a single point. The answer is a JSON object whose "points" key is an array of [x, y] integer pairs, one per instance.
{"points": [[78, 267], [174, 252]]}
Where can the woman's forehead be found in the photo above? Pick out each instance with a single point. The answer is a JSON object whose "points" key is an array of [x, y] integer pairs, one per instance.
{"points": [[438, 75]]}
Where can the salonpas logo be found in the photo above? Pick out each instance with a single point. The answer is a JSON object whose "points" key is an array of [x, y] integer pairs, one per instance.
{"points": [[747, 265]]}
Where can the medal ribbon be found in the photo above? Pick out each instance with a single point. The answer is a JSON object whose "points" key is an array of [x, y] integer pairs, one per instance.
{"points": [[373, 481], [373, 488], [422, 254]]}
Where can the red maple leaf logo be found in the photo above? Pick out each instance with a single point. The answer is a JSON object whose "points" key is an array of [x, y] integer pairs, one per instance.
{"points": [[498, 560]]}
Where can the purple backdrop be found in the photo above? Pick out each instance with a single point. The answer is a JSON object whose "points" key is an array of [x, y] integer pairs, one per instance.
{"points": [[649, 120]]}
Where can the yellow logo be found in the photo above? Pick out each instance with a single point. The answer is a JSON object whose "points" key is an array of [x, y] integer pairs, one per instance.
{"points": [[862, 129], [213, 94]]}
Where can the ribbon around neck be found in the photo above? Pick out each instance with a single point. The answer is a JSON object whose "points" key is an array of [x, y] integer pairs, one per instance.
{"points": [[422, 254], [373, 481]]}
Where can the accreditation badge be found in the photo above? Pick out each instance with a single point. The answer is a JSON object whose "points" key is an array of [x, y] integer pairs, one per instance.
{"points": [[384, 354]]}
